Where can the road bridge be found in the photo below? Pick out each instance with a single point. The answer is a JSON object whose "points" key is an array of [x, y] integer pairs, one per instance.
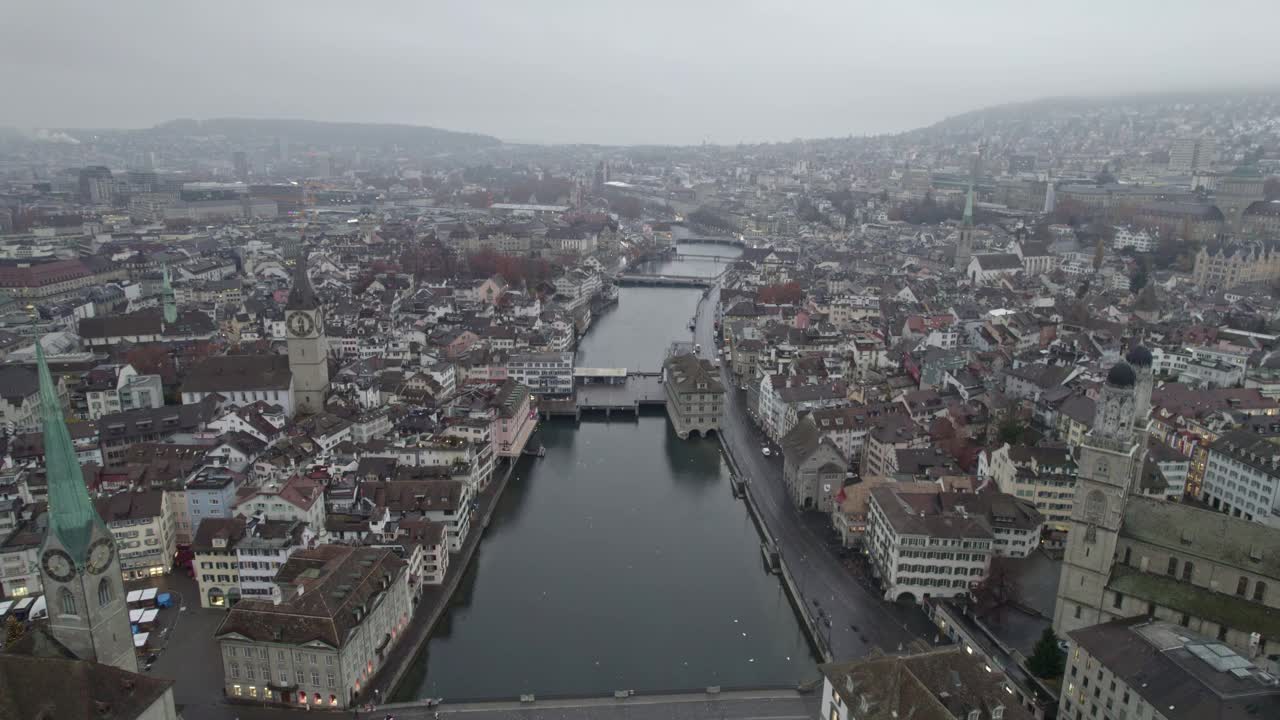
{"points": [[708, 704], [607, 390], [729, 240], [641, 279]]}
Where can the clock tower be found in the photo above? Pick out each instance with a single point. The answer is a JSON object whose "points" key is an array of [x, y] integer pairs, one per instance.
{"points": [[308, 349], [79, 564], [1110, 457]]}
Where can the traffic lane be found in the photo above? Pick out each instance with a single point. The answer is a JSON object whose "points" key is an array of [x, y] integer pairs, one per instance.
{"points": [[795, 530], [850, 605], [855, 612]]}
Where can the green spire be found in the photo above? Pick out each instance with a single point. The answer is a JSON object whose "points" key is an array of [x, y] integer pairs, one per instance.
{"points": [[170, 302], [71, 513]]}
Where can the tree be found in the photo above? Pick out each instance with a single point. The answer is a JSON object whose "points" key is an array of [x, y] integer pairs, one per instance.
{"points": [[999, 589], [1138, 279], [1047, 660], [13, 631]]}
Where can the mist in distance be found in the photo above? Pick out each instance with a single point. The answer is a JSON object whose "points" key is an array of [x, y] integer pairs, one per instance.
{"points": [[582, 71]]}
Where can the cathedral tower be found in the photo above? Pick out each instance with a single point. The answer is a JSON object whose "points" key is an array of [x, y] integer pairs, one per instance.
{"points": [[79, 565], [308, 349], [1109, 458]]}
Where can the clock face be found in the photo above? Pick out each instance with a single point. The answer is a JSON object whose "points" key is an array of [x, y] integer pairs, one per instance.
{"points": [[100, 553], [300, 324], [58, 565]]}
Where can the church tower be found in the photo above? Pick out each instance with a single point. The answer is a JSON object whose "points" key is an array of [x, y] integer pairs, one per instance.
{"points": [[170, 300], [1140, 359], [308, 349], [964, 245], [1109, 459], [79, 565]]}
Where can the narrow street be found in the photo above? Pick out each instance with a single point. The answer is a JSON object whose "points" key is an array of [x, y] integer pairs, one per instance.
{"points": [[858, 618]]}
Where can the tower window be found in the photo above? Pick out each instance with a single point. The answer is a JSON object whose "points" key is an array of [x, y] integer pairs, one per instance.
{"points": [[1243, 586], [1188, 568], [104, 592], [1173, 567], [68, 602], [1259, 591]]}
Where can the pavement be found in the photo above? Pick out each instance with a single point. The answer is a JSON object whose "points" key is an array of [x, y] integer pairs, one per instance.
{"points": [[852, 616]]}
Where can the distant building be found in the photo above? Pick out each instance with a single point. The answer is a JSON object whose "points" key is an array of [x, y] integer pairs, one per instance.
{"points": [[97, 187], [1222, 266], [1187, 155], [1236, 192]]}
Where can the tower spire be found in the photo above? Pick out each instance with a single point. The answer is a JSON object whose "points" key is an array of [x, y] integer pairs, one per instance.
{"points": [[170, 301], [71, 513], [301, 296]]}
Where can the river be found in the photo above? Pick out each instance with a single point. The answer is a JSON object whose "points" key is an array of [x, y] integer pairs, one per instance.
{"points": [[620, 560]]}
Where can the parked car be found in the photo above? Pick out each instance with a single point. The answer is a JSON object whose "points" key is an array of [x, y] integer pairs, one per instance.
{"points": [[766, 451]]}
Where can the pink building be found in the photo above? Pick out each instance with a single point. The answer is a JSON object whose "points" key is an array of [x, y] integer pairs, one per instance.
{"points": [[516, 419]]}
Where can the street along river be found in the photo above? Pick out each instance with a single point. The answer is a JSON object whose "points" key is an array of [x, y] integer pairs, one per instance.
{"points": [[620, 560]]}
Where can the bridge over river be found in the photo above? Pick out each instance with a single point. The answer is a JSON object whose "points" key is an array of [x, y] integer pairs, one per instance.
{"points": [[710, 704]]}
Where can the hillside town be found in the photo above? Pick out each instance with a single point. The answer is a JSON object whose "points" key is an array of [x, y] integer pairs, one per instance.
{"points": [[1012, 381]]}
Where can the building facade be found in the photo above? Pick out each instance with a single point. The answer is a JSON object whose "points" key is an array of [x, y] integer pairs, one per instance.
{"points": [[340, 611]]}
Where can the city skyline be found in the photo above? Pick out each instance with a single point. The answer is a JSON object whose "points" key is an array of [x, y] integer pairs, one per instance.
{"points": [[579, 73]]}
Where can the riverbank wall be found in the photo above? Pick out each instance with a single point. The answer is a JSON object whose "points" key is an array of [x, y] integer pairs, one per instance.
{"points": [[435, 601], [816, 640]]}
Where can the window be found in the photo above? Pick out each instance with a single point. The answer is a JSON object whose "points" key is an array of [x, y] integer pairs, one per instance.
{"points": [[1128, 552], [68, 602], [1259, 591], [1222, 632], [235, 670], [104, 592], [315, 678], [1243, 586], [1173, 567], [1187, 568], [1117, 600]]}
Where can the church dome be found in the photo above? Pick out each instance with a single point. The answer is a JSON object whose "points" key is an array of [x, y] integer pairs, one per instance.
{"points": [[1139, 357], [1122, 375]]}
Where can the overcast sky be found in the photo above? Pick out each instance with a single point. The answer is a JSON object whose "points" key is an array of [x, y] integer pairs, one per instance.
{"points": [[641, 71]]}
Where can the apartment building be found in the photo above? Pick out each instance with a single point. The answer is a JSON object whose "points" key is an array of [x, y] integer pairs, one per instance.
{"points": [[1044, 476], [1242, 477], [927, 545], [543, 373]]}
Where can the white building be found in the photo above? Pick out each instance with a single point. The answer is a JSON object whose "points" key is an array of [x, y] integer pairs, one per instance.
{"points": [[1242, 477], [926, 545], [543, 373], [1139, 240]]}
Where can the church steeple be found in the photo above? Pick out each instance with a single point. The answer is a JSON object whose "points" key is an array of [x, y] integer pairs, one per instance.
{"points": [[72, 517], [170, 301], [302, 296], [967, 220]]}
